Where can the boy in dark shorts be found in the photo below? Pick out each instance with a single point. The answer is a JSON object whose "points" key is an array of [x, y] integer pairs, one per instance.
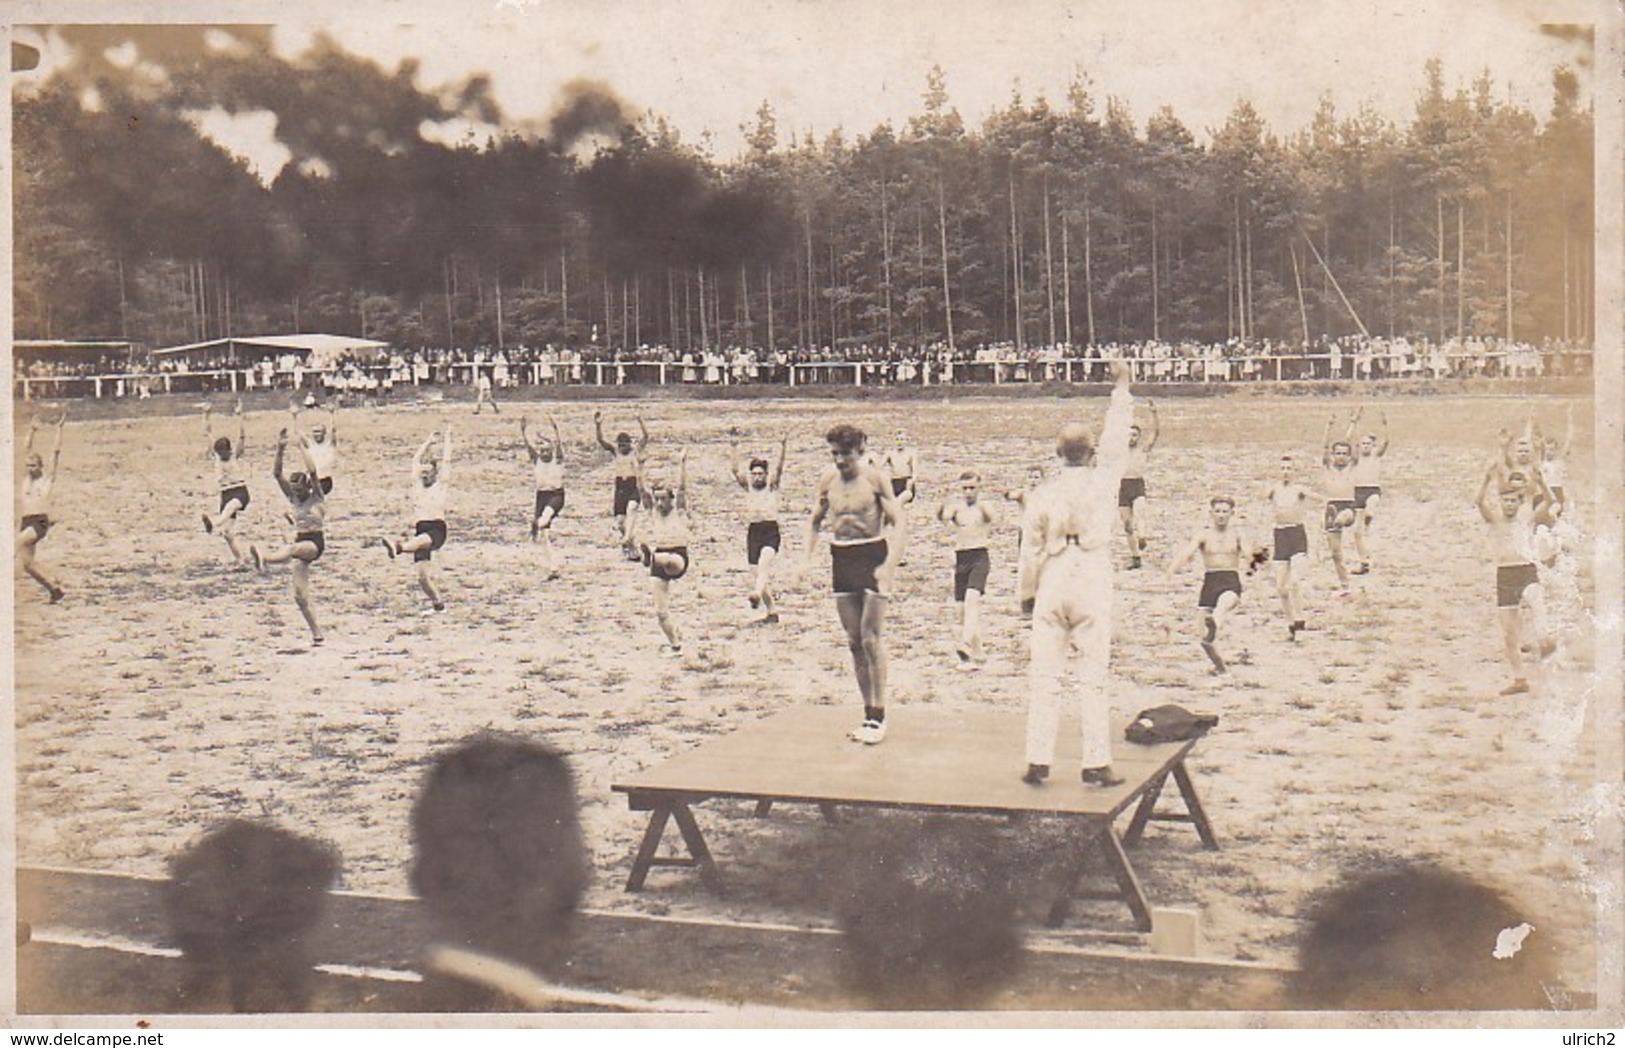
{"points": [[664, 535], [1337, 484], [309, 513], [628, 462], [1222, 550], [858, 502], [35, 506], [231, 480], [972, 520], [429, 496], [1131, 489], [547, 465], [763, 537], [1289, 502], [1513, 516]]}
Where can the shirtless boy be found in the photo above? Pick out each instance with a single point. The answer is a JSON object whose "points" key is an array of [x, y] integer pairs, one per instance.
{"points": [[1223, 554], [972, 521]]}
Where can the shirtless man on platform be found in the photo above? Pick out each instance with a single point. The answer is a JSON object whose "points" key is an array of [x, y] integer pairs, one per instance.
{"points": [[858, 502]]}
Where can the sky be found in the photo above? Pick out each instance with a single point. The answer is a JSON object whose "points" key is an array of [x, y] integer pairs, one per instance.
{"points": [[846, 64]]}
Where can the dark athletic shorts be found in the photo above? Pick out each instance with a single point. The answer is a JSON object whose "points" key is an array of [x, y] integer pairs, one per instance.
{"points": [[1290, 542], [762, 534], [326, 485], [39, 522], [1362, 495], [553, 497], [1129, 489], [436, 530], [626, 494], [1510, 582], [853, 567], [1215, 583], [656, 571], [970, 572], [240, 493], [899, 485], [314, 538], [1334, 509]]}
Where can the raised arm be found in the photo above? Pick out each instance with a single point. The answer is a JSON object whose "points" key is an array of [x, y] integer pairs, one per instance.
{"points": [[1382, 434], [1483, 500], [734, 458], [1156, 425], [1111, 455], [242, 429], [56, 444], [1354, 420], [276, 467], [332, 425], [682, 480], [445, 455], [421, 459], [598, 428], [524, 433], [558, 443], [1326, 442], [1568, 430], [784, 444], [208, 430], [643, 438]]}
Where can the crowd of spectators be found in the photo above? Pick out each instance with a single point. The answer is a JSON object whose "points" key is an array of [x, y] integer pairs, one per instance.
{"points": [[1355, 358]]}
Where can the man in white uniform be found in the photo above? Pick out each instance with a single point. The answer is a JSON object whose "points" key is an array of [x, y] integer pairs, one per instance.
{"points": [[1066, 581]]}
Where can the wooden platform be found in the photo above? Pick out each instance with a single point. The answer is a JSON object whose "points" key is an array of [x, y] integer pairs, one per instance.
{"points": [[933, 759]]}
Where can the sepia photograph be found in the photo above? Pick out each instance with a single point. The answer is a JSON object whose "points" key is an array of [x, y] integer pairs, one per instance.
{"points": [[815, 513]]}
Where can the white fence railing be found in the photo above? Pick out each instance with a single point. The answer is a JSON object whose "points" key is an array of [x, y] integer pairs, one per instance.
{"points": [[883, 373]]}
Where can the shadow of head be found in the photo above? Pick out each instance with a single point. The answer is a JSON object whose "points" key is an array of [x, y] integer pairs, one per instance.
{"points": [[241, 902], [928, 914], [1420, 937], [498, 858]]}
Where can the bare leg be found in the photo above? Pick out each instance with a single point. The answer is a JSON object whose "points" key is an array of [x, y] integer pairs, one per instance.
{"points": [[662, 595], [1510, 635], [850, 607], [971, 631], [426, 581], [300, 574], [764, 577], [874, 646], [1334, 545], [25, 557], [1208, 631]]}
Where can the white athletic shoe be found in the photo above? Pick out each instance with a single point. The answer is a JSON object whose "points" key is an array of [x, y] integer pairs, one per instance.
{"points": [[869, 732]]}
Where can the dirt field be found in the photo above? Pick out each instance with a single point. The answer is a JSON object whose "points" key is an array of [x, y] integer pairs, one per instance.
{"points": [[169, 691]]}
